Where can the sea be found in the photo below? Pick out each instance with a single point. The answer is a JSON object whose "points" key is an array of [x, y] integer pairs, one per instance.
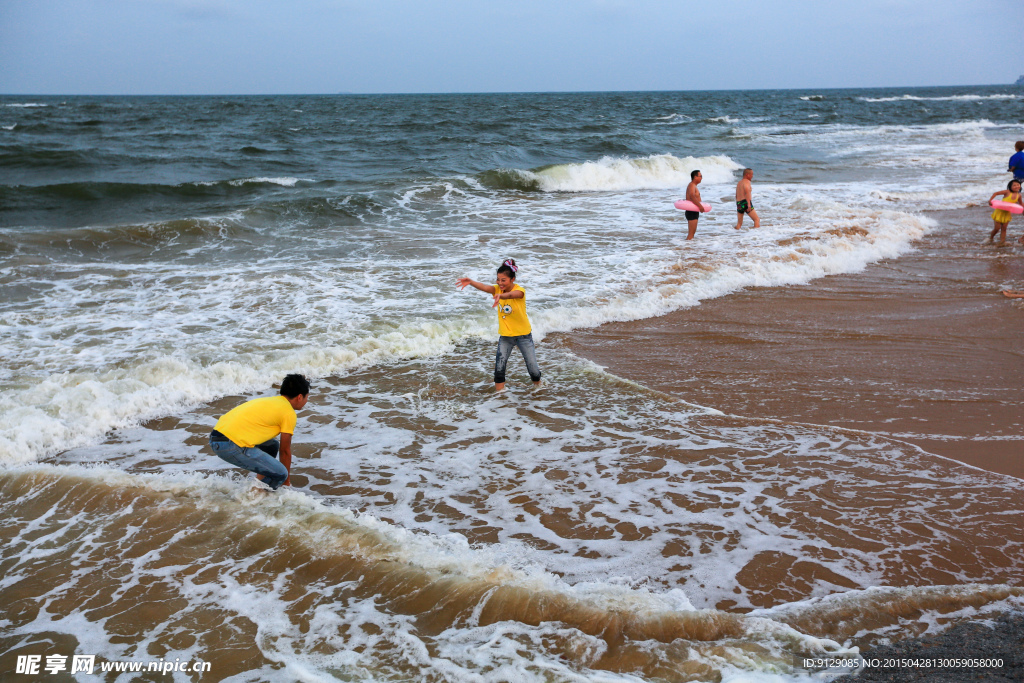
{"points": [[163, 259]]}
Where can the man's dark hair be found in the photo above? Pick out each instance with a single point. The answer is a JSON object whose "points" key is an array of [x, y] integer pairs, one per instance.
{"points": [[294, 385], [693, 174]]}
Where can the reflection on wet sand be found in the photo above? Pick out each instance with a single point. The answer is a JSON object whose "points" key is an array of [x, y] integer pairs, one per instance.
{"points": [[921, 348]]}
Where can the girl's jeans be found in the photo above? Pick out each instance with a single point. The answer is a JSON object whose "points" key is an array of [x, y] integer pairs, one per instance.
{"points": [[525, 344]]}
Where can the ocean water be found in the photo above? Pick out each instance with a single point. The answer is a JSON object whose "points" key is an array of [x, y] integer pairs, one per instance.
{"points": [[164, 258]]}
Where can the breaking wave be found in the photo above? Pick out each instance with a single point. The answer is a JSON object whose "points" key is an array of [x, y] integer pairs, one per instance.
{"points": [[950, 98], [614, 174]]}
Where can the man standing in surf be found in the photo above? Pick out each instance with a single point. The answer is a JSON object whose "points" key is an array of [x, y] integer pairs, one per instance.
{"points": [[247, 435], [693, 195], [744, 202]]}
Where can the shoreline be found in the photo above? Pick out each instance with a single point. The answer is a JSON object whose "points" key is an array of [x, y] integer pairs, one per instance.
{"points": [[1003, 640], [920, 349], [860, 340]]}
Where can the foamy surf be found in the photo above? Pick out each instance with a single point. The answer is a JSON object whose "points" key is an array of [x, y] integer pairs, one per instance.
{"points": [[442, 582], [661, 495], [155, 376], [378, 590], [844, 241], [951, 98], [239, 182]]}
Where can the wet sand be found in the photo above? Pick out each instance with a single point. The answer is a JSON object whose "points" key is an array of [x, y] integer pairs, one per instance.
{"points": [[923, 348], [964, 644]]}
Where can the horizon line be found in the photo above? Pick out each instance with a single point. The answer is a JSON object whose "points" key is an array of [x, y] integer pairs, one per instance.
{"points": [[497, 92]]}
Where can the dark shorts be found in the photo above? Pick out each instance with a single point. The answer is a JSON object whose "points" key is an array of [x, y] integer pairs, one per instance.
{"points": [[692, 215], [743, 206]]}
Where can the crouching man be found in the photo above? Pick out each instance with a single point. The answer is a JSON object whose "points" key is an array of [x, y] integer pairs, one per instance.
{"points": [[246, 435]]}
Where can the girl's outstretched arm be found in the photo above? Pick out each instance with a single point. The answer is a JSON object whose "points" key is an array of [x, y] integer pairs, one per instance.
{"points": [[1000, 193], [463, 281], [514, 294]]}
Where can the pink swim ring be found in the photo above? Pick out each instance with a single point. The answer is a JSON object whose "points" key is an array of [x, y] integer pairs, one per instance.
{"points": [[684, 205]]}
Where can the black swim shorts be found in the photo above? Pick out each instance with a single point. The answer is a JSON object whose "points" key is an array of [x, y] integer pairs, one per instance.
{"points": [[742, 206], [692, 215]]}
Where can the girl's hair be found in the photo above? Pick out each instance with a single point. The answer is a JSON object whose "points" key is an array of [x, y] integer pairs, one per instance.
{"points": [[509, 268], [1008, 186]]}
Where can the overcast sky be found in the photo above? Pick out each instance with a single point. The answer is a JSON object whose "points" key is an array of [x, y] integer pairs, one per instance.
{"points": [[399, 46]]}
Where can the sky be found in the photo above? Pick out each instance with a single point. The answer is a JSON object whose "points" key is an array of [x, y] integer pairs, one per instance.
{"points": [[227, 47]]}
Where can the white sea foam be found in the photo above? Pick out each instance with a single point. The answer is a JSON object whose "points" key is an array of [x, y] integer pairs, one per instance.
{"points": [[944, 198], [326, 527], [27, 105], [239, 182], [812, 98], [661, 171], [239, 328], [861, 237], [327, 530], [908, 133], [949, 98], [559, 460], [673, 119], [896, 159], [10, 127], [286, 182]]}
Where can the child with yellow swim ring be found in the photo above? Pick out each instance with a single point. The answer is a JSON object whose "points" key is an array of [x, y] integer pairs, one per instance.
{"points": [[1002, 217]]}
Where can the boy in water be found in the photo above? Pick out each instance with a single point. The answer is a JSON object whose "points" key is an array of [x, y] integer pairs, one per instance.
{"points": [[246, 435], [693, 195], [744, 202]]}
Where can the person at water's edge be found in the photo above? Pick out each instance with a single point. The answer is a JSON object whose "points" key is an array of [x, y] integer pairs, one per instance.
{"points": [[246, 436], [744, 200], [693, 195], [514, 327], [1016, 165]]}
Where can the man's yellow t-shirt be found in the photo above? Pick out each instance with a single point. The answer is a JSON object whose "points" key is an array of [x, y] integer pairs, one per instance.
{"points": [[512, 320], [258, 420]]}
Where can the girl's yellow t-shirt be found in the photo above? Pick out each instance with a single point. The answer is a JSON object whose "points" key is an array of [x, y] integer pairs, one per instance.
{"points": [[512, 320]]}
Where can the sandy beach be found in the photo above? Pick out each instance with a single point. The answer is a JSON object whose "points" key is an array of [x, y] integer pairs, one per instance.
{"points": [[923, 348]]}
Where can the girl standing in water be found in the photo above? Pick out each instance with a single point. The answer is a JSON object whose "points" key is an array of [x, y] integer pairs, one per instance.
{"points": [[513, 325], [1002, 217]]}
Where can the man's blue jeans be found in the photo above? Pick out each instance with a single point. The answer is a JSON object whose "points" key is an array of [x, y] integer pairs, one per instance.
{"points": [[262, 459], [525, 344]]}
